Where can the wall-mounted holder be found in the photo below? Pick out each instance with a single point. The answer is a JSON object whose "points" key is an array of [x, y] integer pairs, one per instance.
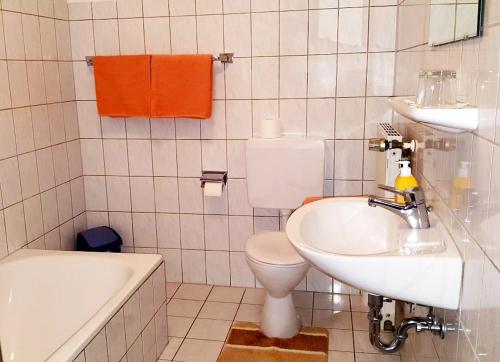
{"points": [[461, 118], [213, 182]]}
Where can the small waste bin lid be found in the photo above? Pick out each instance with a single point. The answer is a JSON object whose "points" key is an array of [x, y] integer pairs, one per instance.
{"points": [[100, 236]]}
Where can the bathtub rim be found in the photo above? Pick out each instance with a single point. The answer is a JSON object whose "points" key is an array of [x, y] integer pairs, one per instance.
{"points": [[142, 265]]}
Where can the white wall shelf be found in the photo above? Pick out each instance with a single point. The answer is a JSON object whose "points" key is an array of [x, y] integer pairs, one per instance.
{"points": [[458, 119]]}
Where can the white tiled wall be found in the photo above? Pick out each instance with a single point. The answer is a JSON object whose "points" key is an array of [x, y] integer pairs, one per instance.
{"points": [[473, 222], [42, 203], [322, 67], [138, 331]]}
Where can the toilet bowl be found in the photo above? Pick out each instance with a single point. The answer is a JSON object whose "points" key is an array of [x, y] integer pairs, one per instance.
{"points": [[279, 268]]}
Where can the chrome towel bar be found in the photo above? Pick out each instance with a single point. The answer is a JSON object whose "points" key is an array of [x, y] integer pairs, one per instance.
{"points": [[222, 57]]}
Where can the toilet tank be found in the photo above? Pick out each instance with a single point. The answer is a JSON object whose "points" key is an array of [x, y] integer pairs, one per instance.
{"points": [[282, 172]]}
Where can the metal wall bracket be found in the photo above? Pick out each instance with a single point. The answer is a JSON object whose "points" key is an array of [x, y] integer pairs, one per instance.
{"points": [[213, 176]]}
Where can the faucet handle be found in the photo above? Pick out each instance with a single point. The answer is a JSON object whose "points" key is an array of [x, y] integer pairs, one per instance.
{"points": [[414, 195]]}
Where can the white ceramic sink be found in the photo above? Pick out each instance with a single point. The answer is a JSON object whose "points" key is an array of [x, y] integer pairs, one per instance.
{"points": [[376, 251]]}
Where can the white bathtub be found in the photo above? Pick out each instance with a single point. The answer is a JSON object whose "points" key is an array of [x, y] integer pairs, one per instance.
{"points": [[52, 303]]}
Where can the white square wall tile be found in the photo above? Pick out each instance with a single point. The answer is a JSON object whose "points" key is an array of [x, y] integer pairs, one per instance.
{"points": [[265, 34], [323, 31], [190, 195], [353, 30], [351, 81], [168, 230], [115, 157], [95, 193], [10, 181], [239, 119], [15, 228], [131, 36], [144, 225], [238, 197], [214, 155], [129, 8], [237, 6], [139, 157], [380, 80], [7, 135], [28, 175], [293, 116], [210, 34], [192, 233], [383, 22], [142, 193], [166, 194], [189, 158], [92, 157], [182, 7], [183, 34], [82, 33], [218, 272], [348, 159], [239, 79], [349, 122], [322, 76], [293, 33], [240, 229], [118, 192], [293, 77], [154, 32], [216, 232], [237, 37], [193, 266], [321, 117], [265, 77], [106, 37], [208, 7]]}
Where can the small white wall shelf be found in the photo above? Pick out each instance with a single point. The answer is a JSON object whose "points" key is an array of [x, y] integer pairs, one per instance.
{"points": [[449, 119]]}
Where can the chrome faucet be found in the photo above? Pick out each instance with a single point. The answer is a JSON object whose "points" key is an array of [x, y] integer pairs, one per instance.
{"points": [[414, 211]]}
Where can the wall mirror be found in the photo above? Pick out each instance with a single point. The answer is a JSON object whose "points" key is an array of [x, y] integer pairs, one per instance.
{"points": [[453, 20]]}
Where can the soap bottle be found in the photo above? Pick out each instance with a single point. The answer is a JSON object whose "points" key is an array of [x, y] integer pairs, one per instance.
{"points": [[404, 181], [461, 186]]}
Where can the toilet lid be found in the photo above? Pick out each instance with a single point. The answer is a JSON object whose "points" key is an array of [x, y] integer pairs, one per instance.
{"points": [[272, 247]]}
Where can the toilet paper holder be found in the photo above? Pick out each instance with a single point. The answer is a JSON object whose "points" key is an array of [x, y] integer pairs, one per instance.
{"points": [[213, 176]]}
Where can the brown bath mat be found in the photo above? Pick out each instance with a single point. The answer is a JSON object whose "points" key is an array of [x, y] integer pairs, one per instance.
{"points": [[247, 343]]}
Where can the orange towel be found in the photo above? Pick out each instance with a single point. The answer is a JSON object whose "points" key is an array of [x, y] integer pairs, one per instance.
{"points": [[181, 86], [123, 85]]}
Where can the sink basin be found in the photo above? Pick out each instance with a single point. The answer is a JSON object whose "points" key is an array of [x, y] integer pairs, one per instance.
{"points": [[375, 250]]}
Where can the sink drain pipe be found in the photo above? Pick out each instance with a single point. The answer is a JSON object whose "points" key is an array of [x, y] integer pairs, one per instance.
{"points": [[429, 323]]}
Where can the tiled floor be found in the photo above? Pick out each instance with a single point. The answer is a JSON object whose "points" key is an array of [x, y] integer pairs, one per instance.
{"points": [[200, 317]]}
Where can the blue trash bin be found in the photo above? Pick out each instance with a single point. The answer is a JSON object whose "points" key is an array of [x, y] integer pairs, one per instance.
{"points": [[100, 239]]}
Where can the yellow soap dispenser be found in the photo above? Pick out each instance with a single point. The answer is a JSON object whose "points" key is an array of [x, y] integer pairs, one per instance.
{"points": [[405, 180]]}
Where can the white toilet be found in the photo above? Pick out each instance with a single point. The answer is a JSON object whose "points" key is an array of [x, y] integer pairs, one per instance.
{"points": [[281, 173]]}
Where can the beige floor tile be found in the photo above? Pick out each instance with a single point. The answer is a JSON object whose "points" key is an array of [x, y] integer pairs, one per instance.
{"points": [[335, 356], [196, 350], [173, 345], [358, 304], [249, 313], [331, 319], [179, 326], [254, 296], [184, 307], [332, 301], [359, 321], [193, 291], [340, 340], [302, 299], [210, 329], [370, 357], [306, 316], [219, 310], [226, 294], [172, 288]]}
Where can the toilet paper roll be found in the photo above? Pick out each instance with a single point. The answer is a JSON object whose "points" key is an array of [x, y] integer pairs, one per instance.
{"points": [[213, 189], [270, 128]]}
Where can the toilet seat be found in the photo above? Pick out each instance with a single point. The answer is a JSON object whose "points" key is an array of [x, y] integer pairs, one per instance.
{"points": [[272, 248]]}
